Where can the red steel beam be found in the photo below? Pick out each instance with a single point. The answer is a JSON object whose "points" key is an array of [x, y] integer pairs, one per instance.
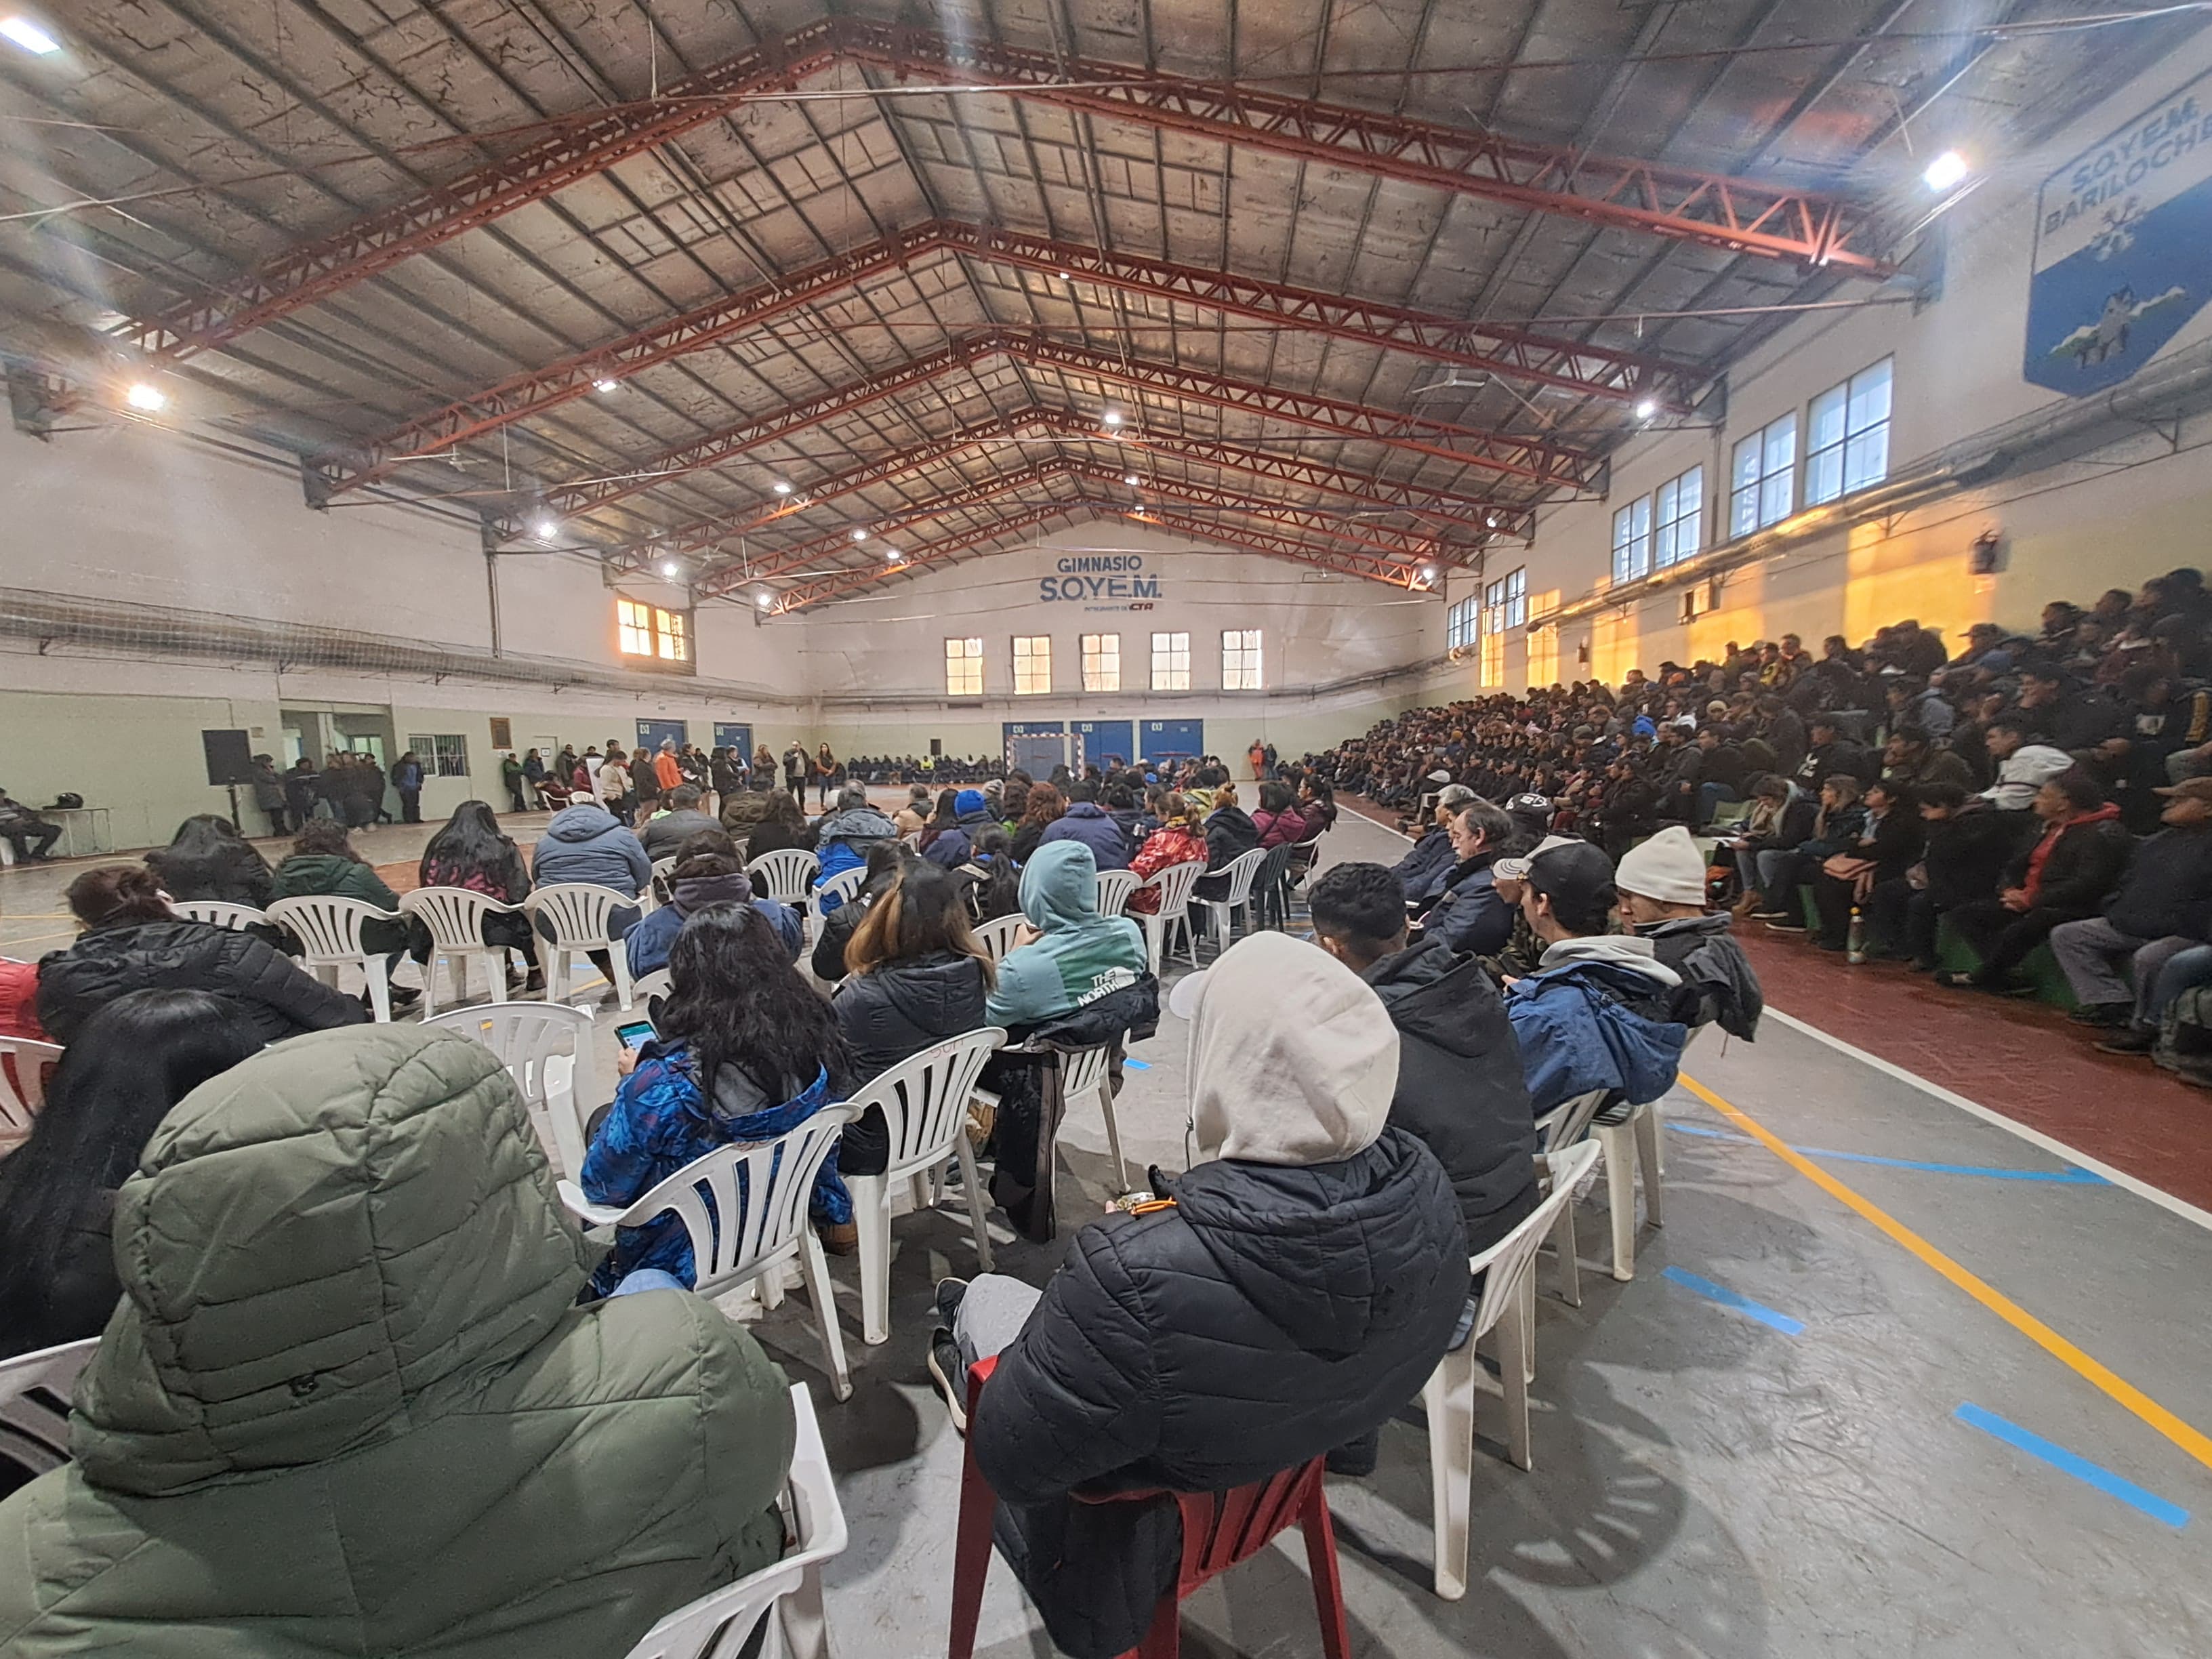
{"points": [[1615, 375], [824, 588], [1740, 215], [1478, 517], [578, 147]]}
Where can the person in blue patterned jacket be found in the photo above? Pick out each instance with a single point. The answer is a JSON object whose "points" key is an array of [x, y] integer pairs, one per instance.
{"points": [[746, 1051]]}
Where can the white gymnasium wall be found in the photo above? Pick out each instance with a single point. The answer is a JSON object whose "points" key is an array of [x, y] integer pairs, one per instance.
{"points": [[2109, 518]]}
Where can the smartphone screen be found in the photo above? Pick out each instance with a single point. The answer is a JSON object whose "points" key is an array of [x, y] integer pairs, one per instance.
{"points": [[634, 1034]]}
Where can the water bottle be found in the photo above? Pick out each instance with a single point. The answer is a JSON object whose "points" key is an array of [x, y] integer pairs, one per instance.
{"points": [[1855, 944]]}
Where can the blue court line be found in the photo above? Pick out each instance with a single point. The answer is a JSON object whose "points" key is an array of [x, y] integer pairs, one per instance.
{"points": [[1138, 1065], [2072, 1464], [2050, 1177], [1728, 1298]]}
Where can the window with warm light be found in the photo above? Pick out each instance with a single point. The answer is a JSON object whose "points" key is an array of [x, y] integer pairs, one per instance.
{"points": [[647, 630], [1847, 436], [1543, 656], [1681, 516], [1102, 662], [963, 668], [1032, 664], [1170, 662], [1460, 622], [1240, 660], [1494, 608], [1632, 542], [1763, 478]]}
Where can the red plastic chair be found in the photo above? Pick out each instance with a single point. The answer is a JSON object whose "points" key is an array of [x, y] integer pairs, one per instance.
{"points": [[1220, 1530]]}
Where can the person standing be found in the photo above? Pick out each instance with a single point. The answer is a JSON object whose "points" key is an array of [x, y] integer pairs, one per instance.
{"points": [[795, 772], [826, 772], [302, 785], [667, 767], [533, 773], [269, 792], [511, 774]]}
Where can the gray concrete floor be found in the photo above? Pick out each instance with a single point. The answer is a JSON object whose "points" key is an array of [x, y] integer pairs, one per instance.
{"points": [[1704, 1484]]}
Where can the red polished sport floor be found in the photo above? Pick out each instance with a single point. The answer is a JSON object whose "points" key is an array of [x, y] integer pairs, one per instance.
{"points": [[2024, 1060]]}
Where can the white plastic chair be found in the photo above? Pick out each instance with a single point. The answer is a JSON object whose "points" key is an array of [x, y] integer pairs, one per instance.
{"points": [[654, 893], [844, 885], [34, 1404], [996, 936], [1508, 1304], [1631, 1145], [1087, 1071], [1115, 887], [237, 918], [24, 1067], [716, 1626], [542, 1045], [1563, 1127], [1173, 885], [581, 914], [924, 1100], [657, 983], [455, 917], [329, 932], [783, 874], [1240, 870], [772, 1226]]}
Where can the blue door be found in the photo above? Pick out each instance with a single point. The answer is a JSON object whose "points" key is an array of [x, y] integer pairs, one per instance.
{"points": [[1036, 746], [739, 738], [1104, 743], [650, 732], [1174, 739]]}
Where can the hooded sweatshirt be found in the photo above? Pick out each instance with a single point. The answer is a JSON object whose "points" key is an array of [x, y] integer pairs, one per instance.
{"points": [[1596, 1014], [349, 1402], [583, 843], [1718, 985], [1295, 1292], [649, 943], [1081, 956]]}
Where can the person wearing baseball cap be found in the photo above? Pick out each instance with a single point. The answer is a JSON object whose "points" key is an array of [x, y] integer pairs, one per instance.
{"points": [[1422, 872], [2162, 908], [1661, 883], [1597, 1013]]}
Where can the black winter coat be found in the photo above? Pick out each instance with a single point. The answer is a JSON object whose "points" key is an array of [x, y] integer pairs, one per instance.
{"points": [[1230, 833], [2085, 864], [902, 1007], [1273, 1315], [2168, 888], [1459, 1088], [235, 874], [1967, 853], [282, 1000]]}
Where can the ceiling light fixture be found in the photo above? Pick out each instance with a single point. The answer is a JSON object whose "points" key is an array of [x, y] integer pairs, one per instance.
{"points": [[144, 394], [1428, 573], [1946, 171], [861, 534], [1129, 478], [763, 600], [606, 383], [669, 567], [546, 529], [782, 488], [1112, 417], [1492, 521], [1646, 408], [892, 556], [1065, 278], [29, 36]]}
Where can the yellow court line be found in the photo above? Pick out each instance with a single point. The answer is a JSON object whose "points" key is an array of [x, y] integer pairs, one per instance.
{"points": [[2193, 1441]]}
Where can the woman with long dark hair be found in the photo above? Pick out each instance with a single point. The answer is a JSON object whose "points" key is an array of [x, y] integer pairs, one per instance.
{"points": [[942, 819], [782, 824], [1043, 808], [473, 852], [134, 1060], [747, 1051], [914, 975], [995, 879], [208, 859]]}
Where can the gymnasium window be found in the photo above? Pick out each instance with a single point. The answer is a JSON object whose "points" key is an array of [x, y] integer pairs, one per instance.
{"points": [[648, 631], [1763, 480], [1032, 664], [1516, 597], [1495, 603], [442, 756], [963, 668], [1631, 541], [1170, 662], [1102, 662], [1681, 516], [1460, 621], [1240, 660], [1847, 436], [1543, 656]]}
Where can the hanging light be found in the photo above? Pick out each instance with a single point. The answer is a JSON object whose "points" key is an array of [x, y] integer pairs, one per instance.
{"points": [[861, 534], [669, 567], [892, 556], [144, 394], [604, 384], [1646, 408], [782, 488], [1130, 479], [763, 600], [1428, 573], [1946, 171], [29, 36], [1112, 417], [545, 528]]}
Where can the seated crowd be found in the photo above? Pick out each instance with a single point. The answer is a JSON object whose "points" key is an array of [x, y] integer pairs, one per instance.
{"points": [[1894, 801], [356, 1362]]}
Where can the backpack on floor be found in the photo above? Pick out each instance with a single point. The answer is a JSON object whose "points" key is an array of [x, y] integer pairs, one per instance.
{"points": [[2184, 1036]]}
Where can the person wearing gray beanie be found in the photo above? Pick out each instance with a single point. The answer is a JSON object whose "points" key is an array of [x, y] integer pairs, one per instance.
{"points": [[1661, 883]]}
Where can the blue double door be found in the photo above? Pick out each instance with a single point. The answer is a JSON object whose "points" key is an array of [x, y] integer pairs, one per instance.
{"points": [[650, 732], [1103, 744], [739, 738], [1173, 739]]}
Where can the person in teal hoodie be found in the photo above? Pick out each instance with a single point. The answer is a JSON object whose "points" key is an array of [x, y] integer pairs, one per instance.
{"points": [[1077, 956]]}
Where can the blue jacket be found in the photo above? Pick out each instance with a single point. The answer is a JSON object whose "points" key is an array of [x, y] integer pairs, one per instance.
{"points": [[584, 843], [659, 1122], [1592, 1017], [1422, 872], [957, 845], [650, 941], [1471, 917], [1086, 821]]}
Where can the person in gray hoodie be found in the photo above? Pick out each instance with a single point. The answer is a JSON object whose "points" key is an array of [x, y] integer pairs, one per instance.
{"points": [[1661, 883]]}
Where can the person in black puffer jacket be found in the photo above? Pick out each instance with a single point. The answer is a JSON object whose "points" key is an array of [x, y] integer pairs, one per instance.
{"points": [[132, 942], [1282, 1299], [208, 860], [916, 976], [1230, 833], [885, 859]]}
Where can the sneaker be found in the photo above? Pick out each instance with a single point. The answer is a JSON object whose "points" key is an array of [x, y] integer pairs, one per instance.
{"points": [[2135, 1040], [1786, 923], [2108, 1014], [1770, 915], [950, 1378]]}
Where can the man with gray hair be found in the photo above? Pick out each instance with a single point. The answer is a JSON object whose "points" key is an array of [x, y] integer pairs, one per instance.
{"points": [[667, 830], [1423, 870]]}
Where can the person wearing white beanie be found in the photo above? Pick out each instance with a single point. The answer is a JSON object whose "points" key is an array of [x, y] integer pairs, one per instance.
{"points": [[1280, 1300], [1661, 883]]}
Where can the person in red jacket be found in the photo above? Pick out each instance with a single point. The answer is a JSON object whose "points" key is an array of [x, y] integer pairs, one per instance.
{"points": [[19, 1002], [1181, 839]]}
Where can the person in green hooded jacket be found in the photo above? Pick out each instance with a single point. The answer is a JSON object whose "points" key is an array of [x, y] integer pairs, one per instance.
{"points": [[322, 862], [1075, 956], [349, 1405]]}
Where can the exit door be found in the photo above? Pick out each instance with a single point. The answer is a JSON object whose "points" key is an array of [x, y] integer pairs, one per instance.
{"points": [[1174, 739], [1104, 743], [1036, 746], [739, 738], [650, 732]]}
